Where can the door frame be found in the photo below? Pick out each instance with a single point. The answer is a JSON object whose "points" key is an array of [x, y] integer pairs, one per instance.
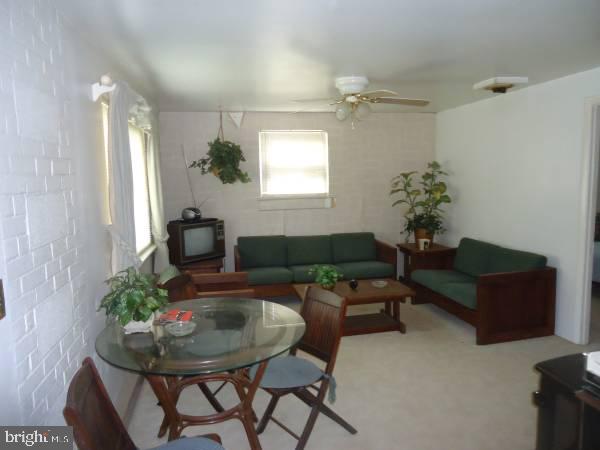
{"points": [[589, 183]]}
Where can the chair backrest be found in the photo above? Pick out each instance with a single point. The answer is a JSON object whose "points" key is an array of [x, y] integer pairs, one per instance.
{"points": [[324, 313], [89, 410], [180, 287]]}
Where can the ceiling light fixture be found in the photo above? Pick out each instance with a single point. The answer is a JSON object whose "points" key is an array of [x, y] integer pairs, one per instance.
{"points": [[500, 85]]}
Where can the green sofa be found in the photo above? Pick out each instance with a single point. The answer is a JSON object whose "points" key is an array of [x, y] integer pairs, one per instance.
{"points": [[274, 263], [506, 294]]}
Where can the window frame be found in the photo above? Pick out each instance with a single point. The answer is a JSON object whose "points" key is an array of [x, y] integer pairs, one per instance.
{"points": [[305, 195]]}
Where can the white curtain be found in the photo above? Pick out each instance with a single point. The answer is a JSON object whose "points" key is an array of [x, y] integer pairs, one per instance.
{"points": [[123, 102], [159, 229]]}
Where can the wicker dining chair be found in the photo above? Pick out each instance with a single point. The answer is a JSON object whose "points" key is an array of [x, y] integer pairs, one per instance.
{"points": [[324, 313], [97, 425]]}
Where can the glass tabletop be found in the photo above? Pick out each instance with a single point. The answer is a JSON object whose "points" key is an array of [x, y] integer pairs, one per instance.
{"points": [[228, 333]]}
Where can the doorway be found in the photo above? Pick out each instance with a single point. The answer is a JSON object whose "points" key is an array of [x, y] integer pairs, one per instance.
{"points": [[590, 313]]}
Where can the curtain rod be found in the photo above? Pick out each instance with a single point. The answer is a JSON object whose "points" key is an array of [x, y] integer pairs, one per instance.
{"points": [[106, 85]]}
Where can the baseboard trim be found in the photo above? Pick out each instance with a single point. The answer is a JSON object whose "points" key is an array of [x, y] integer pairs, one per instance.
{"points": [[133, 399]]}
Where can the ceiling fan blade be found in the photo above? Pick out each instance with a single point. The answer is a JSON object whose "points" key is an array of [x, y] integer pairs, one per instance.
{"points": [[313, 100], [379, 93], [401, 101]]}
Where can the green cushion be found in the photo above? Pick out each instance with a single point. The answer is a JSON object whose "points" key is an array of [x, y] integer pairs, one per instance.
{"points": [[350, 247], [308, 250], [366, 269], [262, 251], [472, 256], [435, 279], [463, 293], [269, 275], [190, 443], [507, 260], [301, 273]]}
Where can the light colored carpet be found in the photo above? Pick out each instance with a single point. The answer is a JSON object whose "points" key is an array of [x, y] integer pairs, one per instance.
{"points": [[429, 389]]}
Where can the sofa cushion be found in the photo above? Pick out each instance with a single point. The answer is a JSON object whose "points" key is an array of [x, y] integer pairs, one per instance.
{"points": [[435, 279], [301, 273], [269, 275], [350, 247], [308, 250], [262, 251], [463, 293], [366, 269], [507, 260], [472, 256]]}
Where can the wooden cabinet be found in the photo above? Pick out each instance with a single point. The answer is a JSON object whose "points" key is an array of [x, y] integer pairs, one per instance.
{"points": [[207, 266], [437, 256], [568, 416]]}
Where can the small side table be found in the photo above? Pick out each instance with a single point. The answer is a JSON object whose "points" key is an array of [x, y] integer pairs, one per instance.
{"points": [[437, 256], [207, 266]]}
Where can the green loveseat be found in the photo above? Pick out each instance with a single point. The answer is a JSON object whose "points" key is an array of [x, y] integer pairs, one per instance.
{"points": [[506, 294], [274, 263]]}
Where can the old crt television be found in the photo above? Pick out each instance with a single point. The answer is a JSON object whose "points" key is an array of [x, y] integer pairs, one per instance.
{"points": [[194, 241]]}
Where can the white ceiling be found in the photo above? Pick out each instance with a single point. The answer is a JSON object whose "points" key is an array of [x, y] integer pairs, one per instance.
{"points": [[259, 55]]}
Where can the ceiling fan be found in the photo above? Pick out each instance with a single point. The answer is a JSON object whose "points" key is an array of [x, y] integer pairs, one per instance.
{"points": [[354, 101]]}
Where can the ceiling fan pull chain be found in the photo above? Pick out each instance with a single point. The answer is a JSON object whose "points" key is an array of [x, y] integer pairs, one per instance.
{"points": [[221, 134]]}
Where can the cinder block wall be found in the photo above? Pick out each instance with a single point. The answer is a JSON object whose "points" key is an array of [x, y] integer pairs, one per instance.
{"points": [[362, 162]]}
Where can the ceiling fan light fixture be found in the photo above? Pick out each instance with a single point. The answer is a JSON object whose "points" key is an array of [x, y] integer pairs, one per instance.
{"points": [[362, 110], [342, 111], [351, 85]]}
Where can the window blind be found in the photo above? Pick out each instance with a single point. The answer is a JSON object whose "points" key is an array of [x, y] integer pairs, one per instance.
{"points": [[294, 163]]}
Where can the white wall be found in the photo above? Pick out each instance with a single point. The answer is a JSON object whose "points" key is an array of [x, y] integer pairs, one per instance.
{"points": [[515, 164], [53, 242], [362, 162]]}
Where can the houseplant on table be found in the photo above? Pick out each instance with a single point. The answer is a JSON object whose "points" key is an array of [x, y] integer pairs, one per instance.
{"points": [[132, 299], [325, 275], [424, 215]]}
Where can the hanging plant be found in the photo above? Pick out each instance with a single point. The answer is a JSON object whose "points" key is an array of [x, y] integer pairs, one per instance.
{"points": [[223, 159]]}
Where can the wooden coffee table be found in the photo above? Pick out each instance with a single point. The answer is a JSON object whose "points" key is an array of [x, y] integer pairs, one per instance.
{"points": [[388, 319]]}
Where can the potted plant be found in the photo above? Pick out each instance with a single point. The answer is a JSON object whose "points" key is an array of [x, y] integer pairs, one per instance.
{"points": [[223, 159], [325, 275], [132, 299], [424, 215]]}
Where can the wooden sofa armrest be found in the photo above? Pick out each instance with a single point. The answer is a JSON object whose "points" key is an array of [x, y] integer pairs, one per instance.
{"points": [[179, 288], [387, 253], [245, 293], [516, 305], [237, 259]]}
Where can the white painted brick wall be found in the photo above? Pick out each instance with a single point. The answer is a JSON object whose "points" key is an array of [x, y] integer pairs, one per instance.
{"points": [[44, 271]]}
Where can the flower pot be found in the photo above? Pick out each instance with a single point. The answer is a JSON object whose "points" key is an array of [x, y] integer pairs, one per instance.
{"points": [[135, 326], [328, 287], [422, 233]]}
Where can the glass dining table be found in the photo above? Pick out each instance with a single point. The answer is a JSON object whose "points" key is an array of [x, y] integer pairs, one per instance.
{"points": [[223, 337]]}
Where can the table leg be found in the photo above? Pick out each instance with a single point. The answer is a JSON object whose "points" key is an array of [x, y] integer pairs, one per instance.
{"points": [[388, 308], [168, 401], [167, 392], [396, 316]]}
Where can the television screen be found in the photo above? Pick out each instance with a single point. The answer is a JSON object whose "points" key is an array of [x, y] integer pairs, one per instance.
{"points": [[199, 241]]}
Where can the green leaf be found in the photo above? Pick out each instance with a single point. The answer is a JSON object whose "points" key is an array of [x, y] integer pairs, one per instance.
{"points": [[125, 318]]}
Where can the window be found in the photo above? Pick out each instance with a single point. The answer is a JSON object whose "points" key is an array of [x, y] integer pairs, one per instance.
{"points": [[141, 199], [293, 163]]}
